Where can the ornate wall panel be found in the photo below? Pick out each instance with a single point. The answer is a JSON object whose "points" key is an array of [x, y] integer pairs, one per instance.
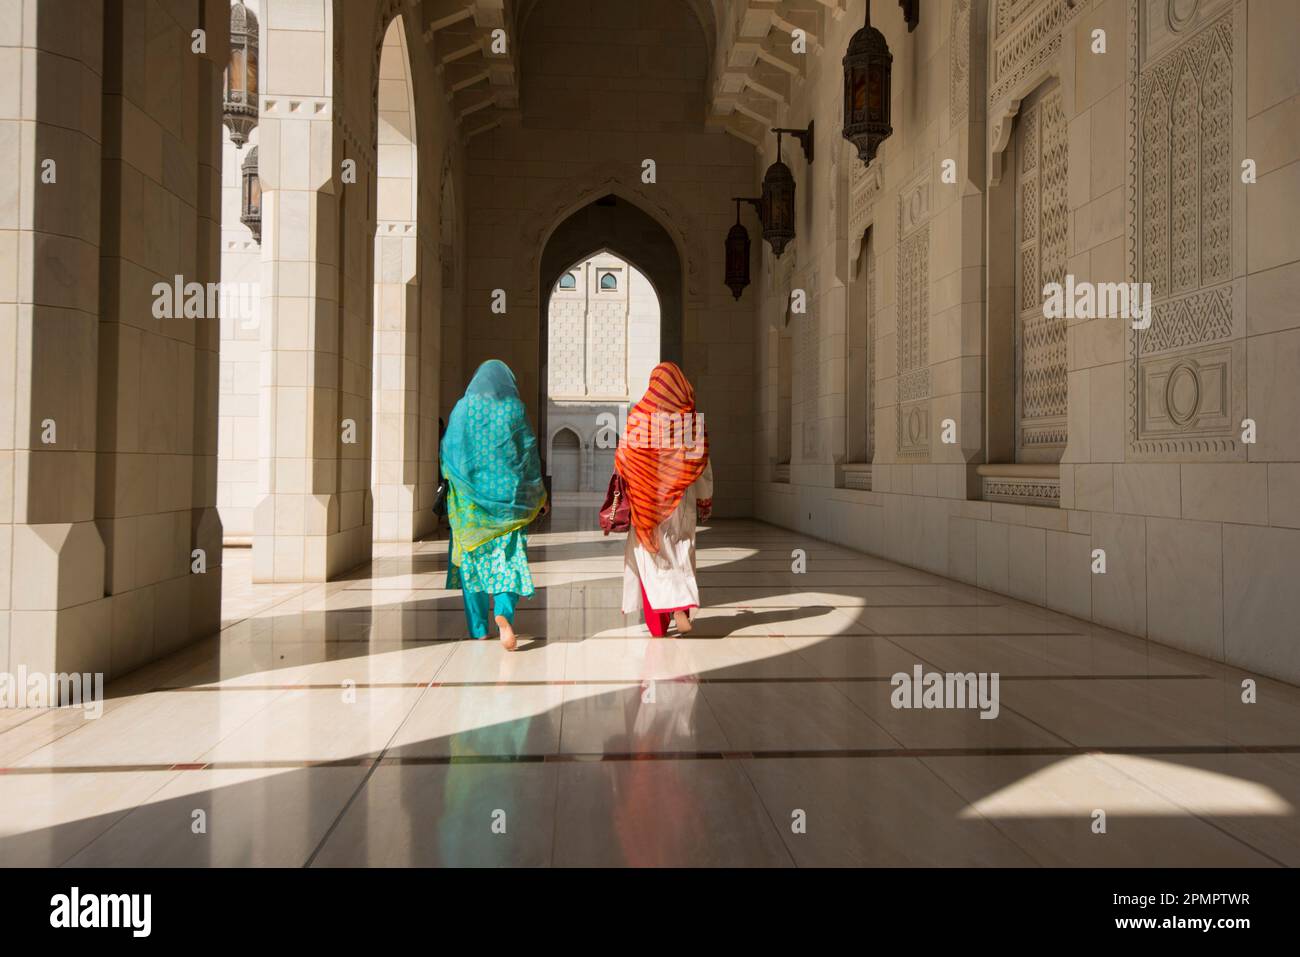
{"points": [[1186, 371], [1042, 214], [871, 351], [566, 365], [1025, 48], [607, 323], [959, 62], [808, 341], [914, 344]]}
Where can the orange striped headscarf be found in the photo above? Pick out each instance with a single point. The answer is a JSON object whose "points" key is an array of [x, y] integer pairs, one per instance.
{"points": [[663, 450]]}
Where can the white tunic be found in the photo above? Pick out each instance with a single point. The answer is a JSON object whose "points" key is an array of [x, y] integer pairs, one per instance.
{"points": [[669, 575]]}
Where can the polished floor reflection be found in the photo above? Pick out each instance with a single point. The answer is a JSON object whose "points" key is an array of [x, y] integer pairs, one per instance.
{"points": [[355, 724]]}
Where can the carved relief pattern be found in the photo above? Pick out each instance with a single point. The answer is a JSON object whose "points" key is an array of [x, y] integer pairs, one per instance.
{"points": [[1216, 182], [871, 352], [1039, 491], [864, 188], [914, 303], [1054, 203], [1183, 186], [808, 343], [1190, 321], [608, 324], [1043, 370], [1155, 198], [1042, 379], [914, 343], [1185, 126], [1180, 385], [567, 336], [959, 60]]}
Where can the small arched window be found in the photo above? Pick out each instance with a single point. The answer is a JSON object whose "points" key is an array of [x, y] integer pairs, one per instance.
{"points": [[568, 281], [608, 281]]}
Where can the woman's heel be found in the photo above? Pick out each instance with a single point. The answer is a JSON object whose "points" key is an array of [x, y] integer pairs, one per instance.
{"points": [[508, 640], [683, 622]]}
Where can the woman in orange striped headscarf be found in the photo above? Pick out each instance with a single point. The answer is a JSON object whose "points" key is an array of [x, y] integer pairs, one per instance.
{"points": [[663, 458]]}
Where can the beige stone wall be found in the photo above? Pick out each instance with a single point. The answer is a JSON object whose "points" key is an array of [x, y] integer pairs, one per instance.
{"points": [[1196, 525], [110, 448], [332, 295], [603, 342], [628, 86], [239, 427]]}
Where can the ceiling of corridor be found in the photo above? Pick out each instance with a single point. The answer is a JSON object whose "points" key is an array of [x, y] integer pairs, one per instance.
{"points": [[750, 68]]}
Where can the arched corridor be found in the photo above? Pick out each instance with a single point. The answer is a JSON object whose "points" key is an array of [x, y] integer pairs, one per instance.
{"points": [[998, 363]]}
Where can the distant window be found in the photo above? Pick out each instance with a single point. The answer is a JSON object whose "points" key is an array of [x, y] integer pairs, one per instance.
{"points": [[608, 281], [568, 281]]}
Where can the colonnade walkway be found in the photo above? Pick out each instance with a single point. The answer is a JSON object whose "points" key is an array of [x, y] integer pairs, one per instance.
{"points": [[352, 723]]}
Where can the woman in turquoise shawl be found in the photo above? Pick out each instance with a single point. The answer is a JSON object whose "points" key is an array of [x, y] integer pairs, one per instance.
{"points": [[494, 490]]}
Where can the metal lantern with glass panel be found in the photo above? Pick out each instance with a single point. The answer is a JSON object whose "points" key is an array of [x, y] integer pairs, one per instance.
{"points": [[777, 211], [239, 97], [738, 253], [251, 195], [867, 68]]}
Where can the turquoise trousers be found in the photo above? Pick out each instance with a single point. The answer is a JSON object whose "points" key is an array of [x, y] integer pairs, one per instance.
{"points": [[480, 605]]}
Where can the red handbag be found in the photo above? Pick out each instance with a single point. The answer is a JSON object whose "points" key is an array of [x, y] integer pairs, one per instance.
{"points": [[616, 513]]}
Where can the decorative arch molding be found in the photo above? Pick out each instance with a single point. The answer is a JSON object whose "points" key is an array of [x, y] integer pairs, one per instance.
{"points": [[1027, 47], [622, 180], [385, 12]]}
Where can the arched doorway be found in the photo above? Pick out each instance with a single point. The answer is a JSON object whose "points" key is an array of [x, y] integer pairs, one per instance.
{"points": [[611, 225], [566, 461], [603, 331], [395, 383]]}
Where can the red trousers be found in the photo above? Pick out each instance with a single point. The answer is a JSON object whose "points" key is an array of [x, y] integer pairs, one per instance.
{"points": [[657, 621]]}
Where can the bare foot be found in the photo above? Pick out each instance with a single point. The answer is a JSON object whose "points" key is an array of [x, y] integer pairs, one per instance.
{"points": [[683, 622], [508, 639]]}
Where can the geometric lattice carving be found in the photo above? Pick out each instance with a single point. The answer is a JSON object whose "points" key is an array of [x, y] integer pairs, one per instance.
{"points": [[808, 346], [607, 330], [1023, 491], [1191, 321], [914, 343], [959, 62], [914, 303], [1185, 369], [1185, 131], [871, 353], [566, 363], [1042, 217]]}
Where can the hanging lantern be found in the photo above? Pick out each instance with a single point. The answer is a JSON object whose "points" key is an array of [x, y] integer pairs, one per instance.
{"points": [[251, 196], [777, 209], [239, 96], [867, 67], [738, 254]]}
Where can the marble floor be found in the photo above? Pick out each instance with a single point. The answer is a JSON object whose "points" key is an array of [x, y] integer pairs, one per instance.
{"points": [[354, 723]]}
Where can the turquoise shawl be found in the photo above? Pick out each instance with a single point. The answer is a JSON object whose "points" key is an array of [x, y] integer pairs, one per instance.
{"points": [[489, 457]]}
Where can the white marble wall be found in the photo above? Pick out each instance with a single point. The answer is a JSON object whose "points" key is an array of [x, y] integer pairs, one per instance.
{"points": [[1197, 525], [239, 424]]}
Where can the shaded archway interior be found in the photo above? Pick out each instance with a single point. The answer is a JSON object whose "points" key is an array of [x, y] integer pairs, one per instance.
{"points": [[613, 224]]}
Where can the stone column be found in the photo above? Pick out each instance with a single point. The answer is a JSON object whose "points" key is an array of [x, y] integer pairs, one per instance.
{"points": [[155, 470], [53, 614], [312, 520]]}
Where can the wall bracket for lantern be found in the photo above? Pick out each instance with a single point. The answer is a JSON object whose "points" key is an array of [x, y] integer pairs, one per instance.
{"points": [[805, 138], [911, 13]]}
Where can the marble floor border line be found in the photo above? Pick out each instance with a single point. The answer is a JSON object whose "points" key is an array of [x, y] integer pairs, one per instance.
{"points": [[577, 757], [692, 679]]}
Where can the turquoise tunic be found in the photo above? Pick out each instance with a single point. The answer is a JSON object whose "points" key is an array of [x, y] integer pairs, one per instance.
{"points": [[495, 567]]}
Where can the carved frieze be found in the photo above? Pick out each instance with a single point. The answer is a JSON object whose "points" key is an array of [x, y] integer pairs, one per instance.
{"points": [[914, 343], [1186, 372]]}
